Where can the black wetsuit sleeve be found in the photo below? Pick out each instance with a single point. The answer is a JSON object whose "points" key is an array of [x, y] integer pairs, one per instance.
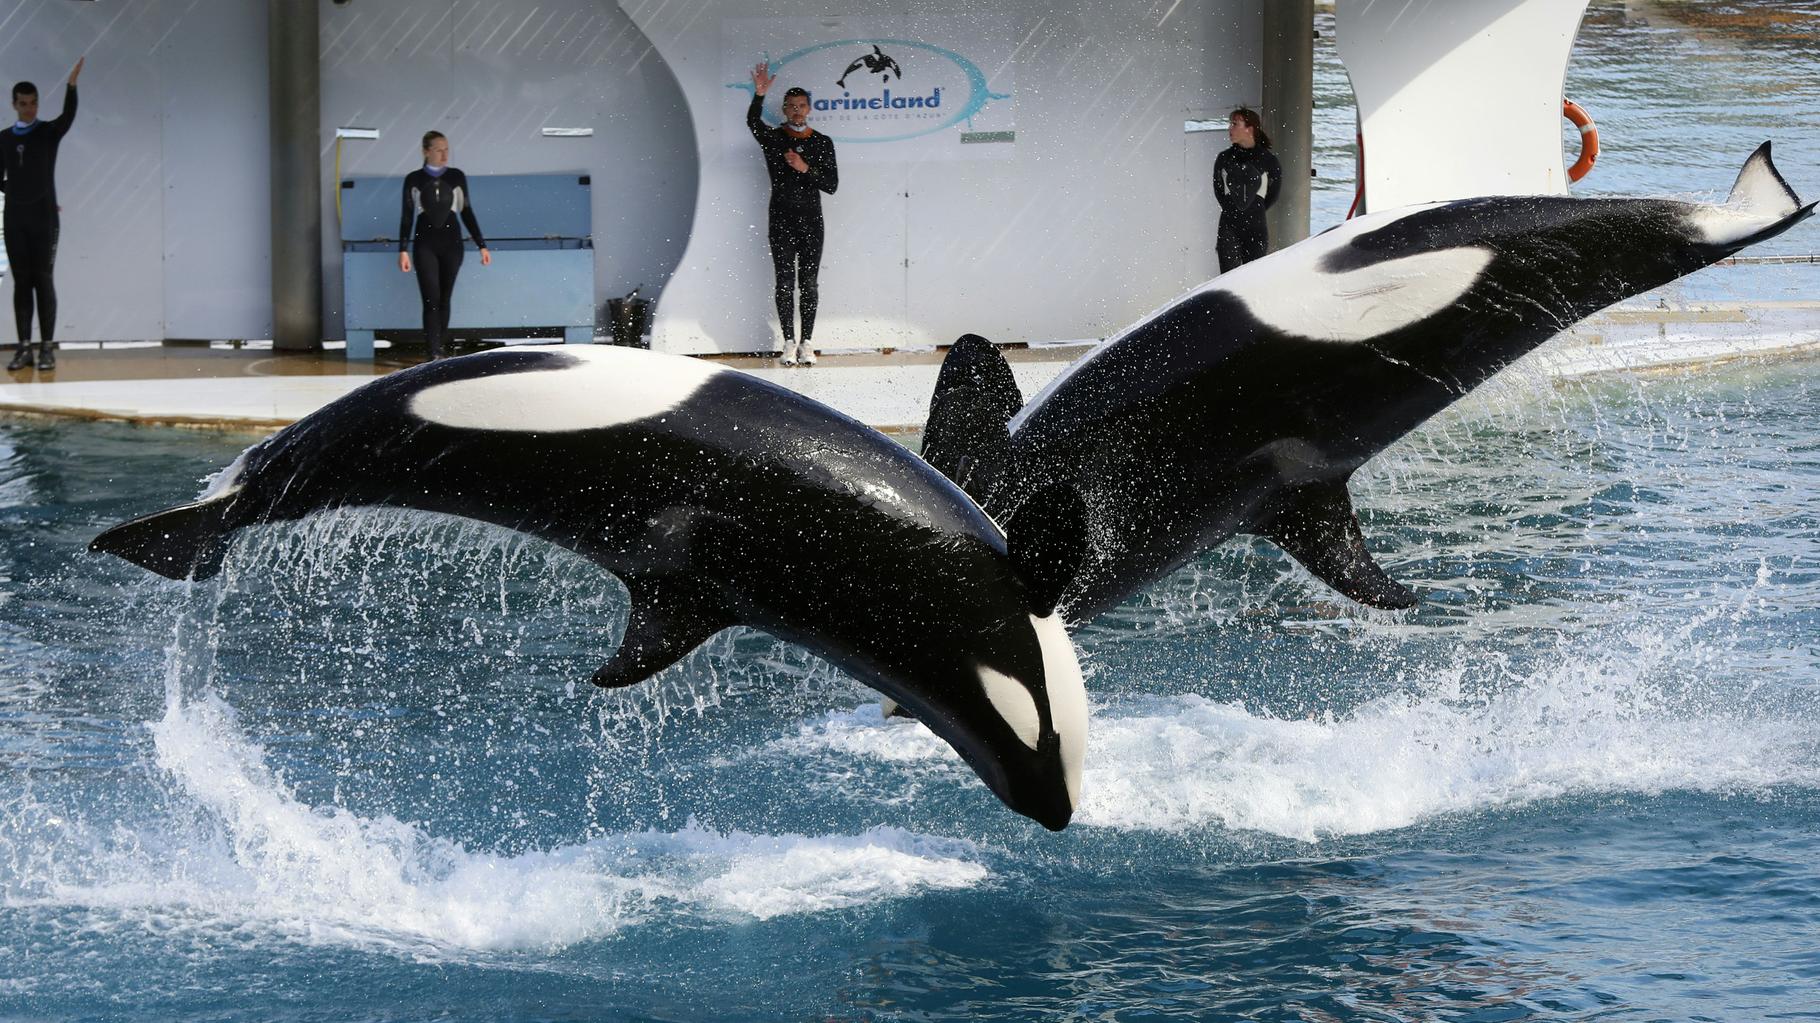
{"points": [[406, 216], [826, 173], [467, 215], [62, 124], [755, 119], [1273, 168]]}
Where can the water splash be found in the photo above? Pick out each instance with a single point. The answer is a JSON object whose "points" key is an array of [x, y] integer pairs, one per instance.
{"points": [[228, 840]]}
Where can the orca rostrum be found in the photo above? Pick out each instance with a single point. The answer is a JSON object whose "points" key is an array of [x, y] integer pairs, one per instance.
{"points": [[718, 499], [1245, 405]]}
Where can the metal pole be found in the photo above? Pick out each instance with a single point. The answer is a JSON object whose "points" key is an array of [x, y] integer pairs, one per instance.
{"points": [[292, 42], [1288, 114]]}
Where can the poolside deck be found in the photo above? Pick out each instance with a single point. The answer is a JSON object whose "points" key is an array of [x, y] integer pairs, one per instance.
{"points": [[251, 387]]}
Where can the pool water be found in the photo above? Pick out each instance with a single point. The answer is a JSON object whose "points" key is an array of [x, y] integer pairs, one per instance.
{"points": [[361, 775]]}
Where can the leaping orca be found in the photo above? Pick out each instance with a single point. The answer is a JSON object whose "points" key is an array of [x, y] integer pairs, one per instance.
{"points": [[1246, 404], [718, 499]]}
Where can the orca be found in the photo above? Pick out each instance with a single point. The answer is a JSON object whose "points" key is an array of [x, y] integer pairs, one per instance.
{"points": [[1245, 405], [718, 499]]}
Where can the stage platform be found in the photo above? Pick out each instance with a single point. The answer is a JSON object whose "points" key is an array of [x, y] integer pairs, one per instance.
{"points": [[250, 387]]}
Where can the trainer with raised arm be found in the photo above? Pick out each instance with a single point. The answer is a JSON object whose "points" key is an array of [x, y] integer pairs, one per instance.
{"points": [[800, 162], [28, 176]]}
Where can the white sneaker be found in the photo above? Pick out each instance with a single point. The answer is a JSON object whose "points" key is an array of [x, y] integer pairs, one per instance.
{"points": [[807, 355], [789, 356]]}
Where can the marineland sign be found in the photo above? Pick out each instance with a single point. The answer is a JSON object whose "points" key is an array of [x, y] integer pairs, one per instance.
{"points": [[873, 94]]}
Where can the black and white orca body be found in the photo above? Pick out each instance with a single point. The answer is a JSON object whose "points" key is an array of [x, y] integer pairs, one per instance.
{"points": [[719, 500], [1245, 405]]}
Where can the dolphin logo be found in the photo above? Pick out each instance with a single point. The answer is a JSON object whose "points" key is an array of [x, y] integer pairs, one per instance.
{"points": [[877, 62]]}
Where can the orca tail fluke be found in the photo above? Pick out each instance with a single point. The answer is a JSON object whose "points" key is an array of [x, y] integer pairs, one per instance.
{"points": [[185, 542], [1316, 525], [1761, 206], [967, 436], [1761, 189]]}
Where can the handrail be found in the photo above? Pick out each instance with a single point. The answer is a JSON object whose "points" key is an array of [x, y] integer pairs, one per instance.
{"points": [[1812, 257]]}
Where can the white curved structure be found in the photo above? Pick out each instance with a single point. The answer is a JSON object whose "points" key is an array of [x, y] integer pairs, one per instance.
{"points": [[1460, 98]]}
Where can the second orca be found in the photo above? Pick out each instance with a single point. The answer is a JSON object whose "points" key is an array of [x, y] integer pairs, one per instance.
{"points": [[1245, 406]]}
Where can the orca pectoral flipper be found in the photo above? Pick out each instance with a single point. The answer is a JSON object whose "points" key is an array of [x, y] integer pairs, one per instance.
{"points": [[967, 437], [670, 617], [1047, 540], [185, 542], [1315, 523]]}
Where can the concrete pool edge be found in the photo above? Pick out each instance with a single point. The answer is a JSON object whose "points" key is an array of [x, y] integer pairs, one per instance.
{"points": [[258, 391]]}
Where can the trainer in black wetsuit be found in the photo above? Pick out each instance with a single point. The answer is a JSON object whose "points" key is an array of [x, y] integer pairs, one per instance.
{"points": [[1246, 181], [796, 207], [436, 196], [28, 176]]}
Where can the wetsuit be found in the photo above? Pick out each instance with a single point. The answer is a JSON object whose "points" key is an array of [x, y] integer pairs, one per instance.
{"points": [[28, 175], [1246, 182], [436, 201], [796, 214]]}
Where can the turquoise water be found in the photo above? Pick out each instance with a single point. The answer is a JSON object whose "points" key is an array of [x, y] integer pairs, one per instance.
{"points": [[361, 774]]}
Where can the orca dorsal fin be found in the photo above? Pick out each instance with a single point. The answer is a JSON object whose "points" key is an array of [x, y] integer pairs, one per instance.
{"points": [[671, 616], [1047, 540], [967, 437], [1316, 525]]}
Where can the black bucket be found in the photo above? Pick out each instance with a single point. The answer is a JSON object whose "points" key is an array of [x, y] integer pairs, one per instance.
{"points": [[629, 319]]}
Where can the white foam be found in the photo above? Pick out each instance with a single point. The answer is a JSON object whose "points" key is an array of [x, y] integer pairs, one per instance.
{"points": [[765, 877], [335, 873], [227, 481], [864, 733], [1588, 726], [606, 386], [1592, 723], [243, 851]]}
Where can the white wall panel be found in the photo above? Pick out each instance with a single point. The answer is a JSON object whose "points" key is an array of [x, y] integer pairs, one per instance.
{"points": [[1097, 212], [492, 74], [217, 174]]}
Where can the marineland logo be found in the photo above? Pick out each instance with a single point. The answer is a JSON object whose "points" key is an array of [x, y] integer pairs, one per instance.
{"points": [[886, 101], [907, 89]]}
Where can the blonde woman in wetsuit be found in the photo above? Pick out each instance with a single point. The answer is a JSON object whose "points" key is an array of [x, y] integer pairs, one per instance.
{"points": [[436, 197]]}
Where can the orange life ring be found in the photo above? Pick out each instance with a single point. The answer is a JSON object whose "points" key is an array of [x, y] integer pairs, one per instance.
{"points": [[1589, 139]]}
